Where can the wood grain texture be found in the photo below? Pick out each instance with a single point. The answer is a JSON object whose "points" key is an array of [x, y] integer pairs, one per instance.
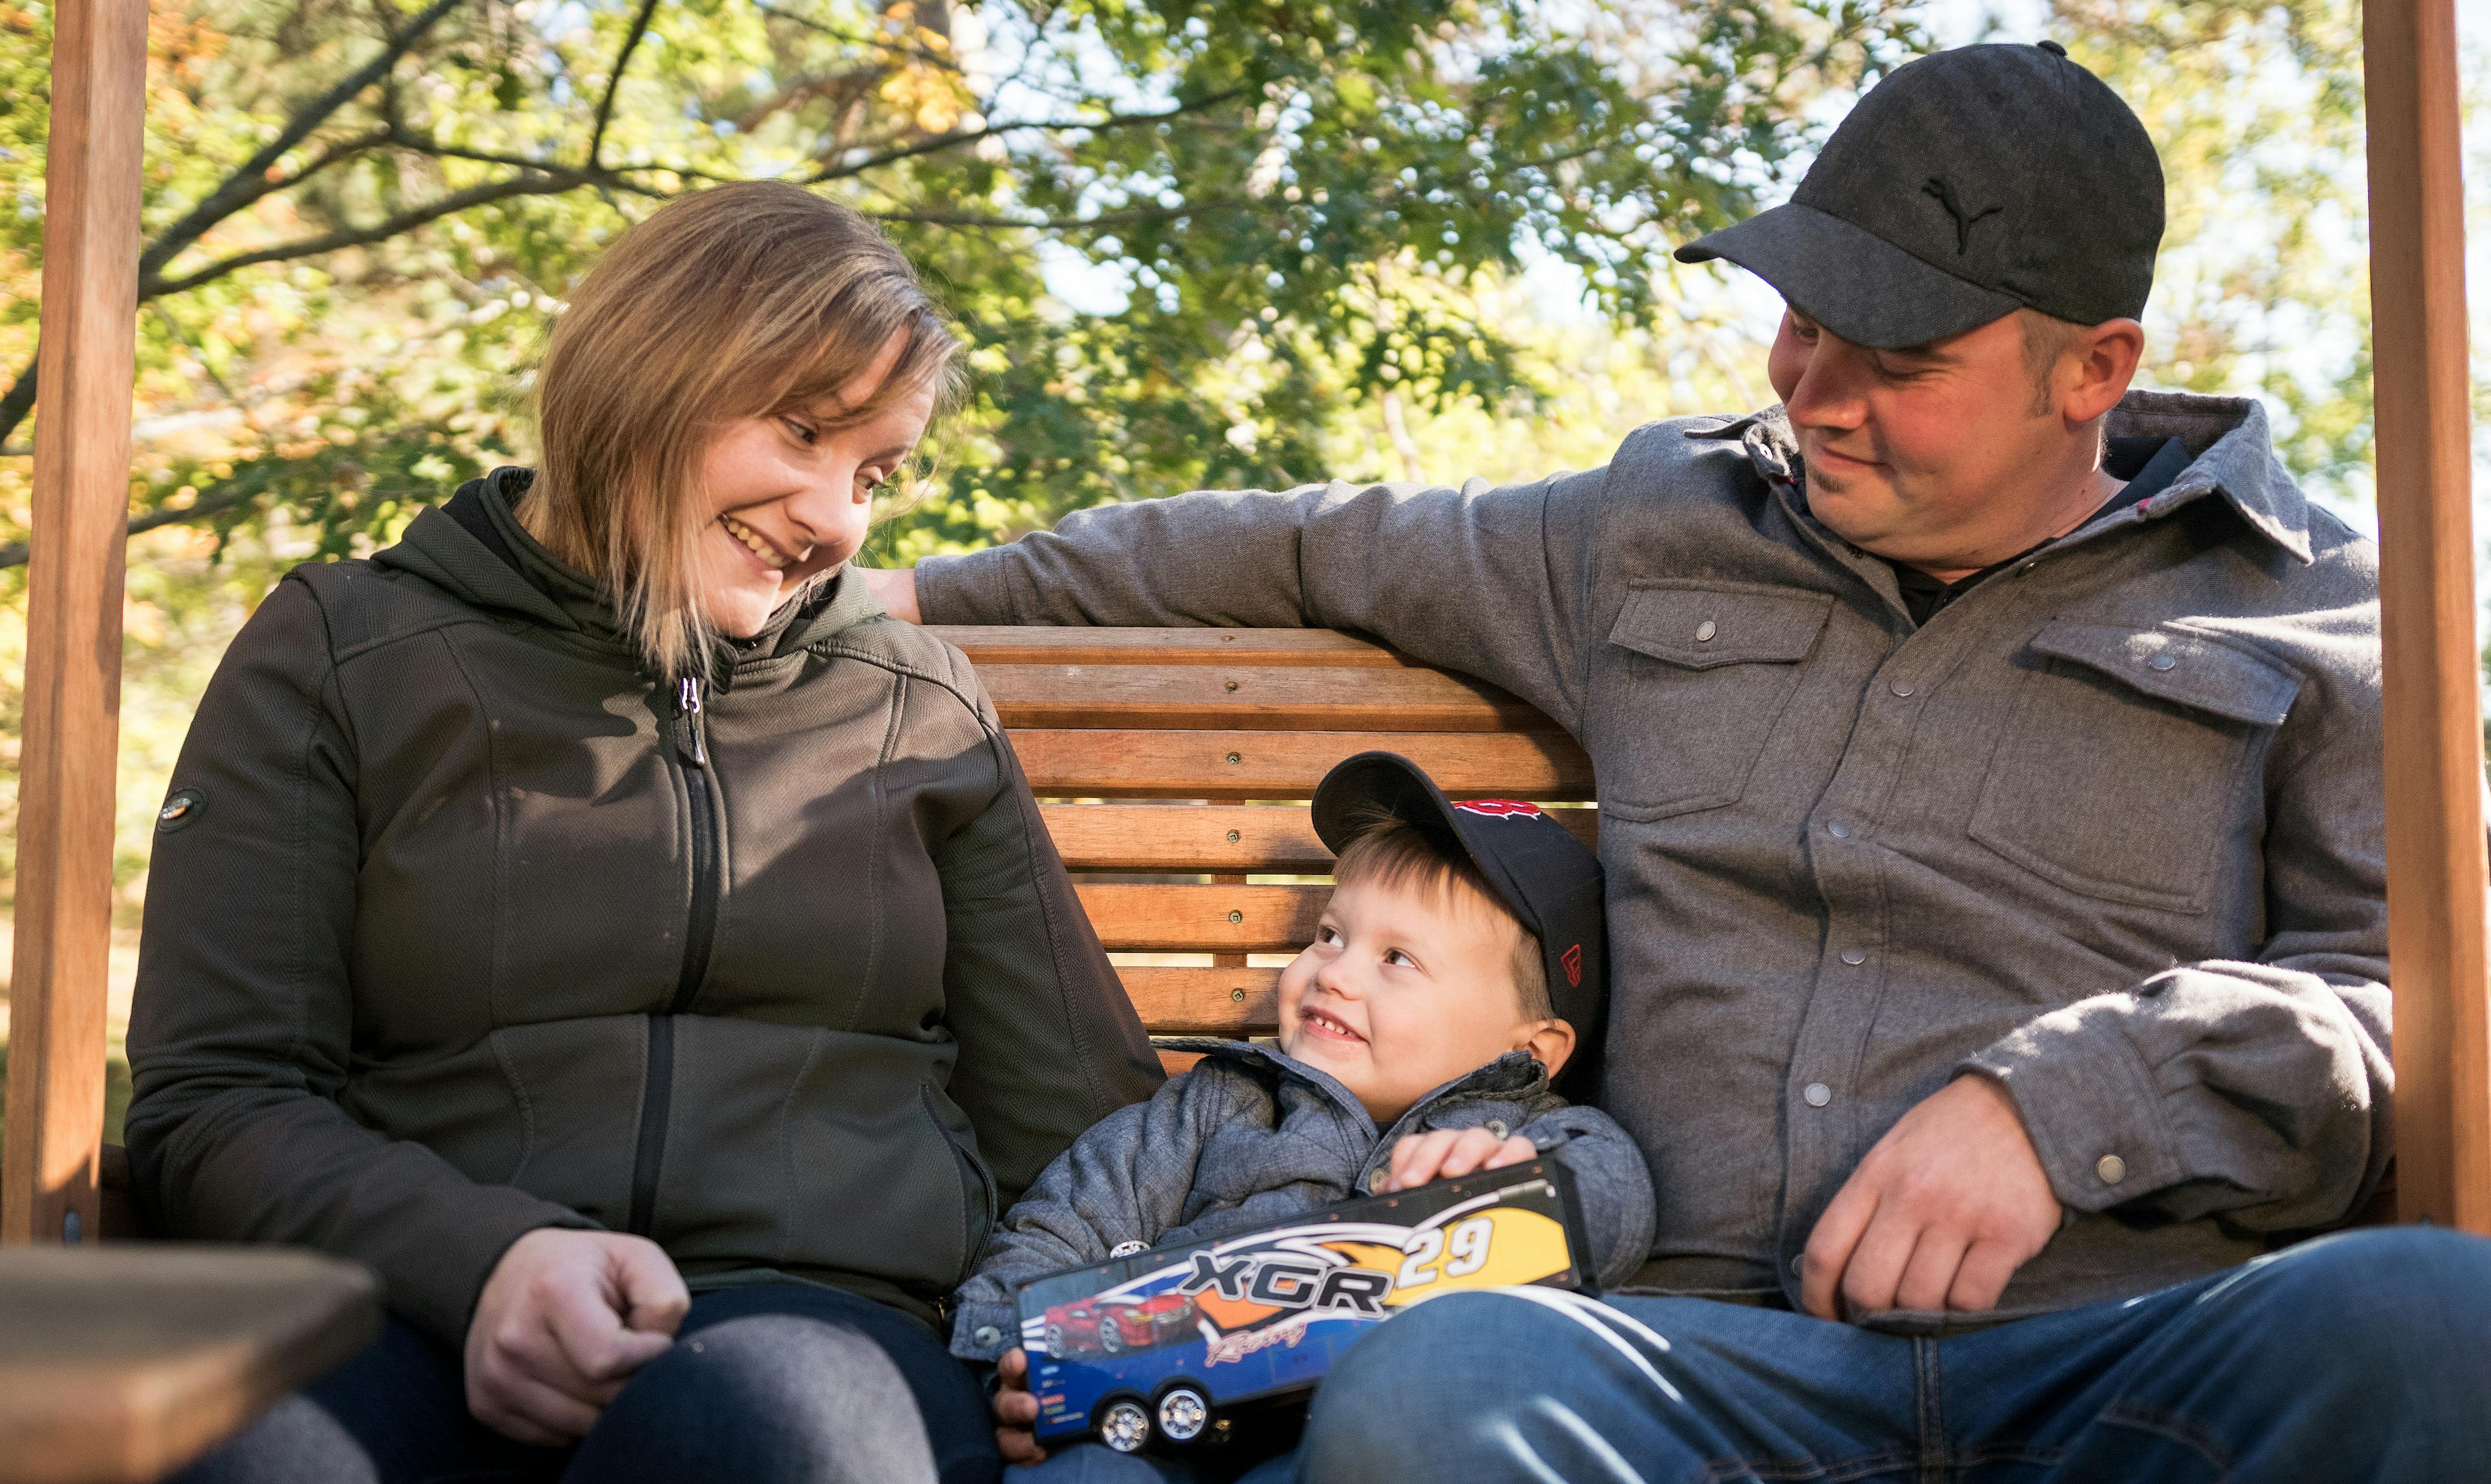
{"points": [[72, 696], [1262, 697], [1200, 919], [1269, 839], [2436, 866], [123, 1363], [1288, 765], [1234, 1002], [1037, 644]]}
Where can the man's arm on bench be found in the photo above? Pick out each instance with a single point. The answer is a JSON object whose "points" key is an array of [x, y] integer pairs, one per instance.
{"points": [[1488, 581]]}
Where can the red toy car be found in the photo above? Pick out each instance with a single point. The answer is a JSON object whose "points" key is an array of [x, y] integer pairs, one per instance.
{"points": [[1111, 1326]]}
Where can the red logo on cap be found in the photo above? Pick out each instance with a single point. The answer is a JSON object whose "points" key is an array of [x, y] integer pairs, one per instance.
{"points": [[1572, 959], [1500, 809]]}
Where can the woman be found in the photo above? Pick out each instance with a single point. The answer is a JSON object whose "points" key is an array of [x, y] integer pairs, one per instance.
{"points": [[597, 916]]}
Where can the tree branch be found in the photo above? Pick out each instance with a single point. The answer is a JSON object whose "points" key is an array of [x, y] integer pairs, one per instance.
{"points": [[421, 144], [249, 183], [960, 136], [1063, 223], [250, 180], [14, 554], [531, 183], [852, 39], [614, 80]]}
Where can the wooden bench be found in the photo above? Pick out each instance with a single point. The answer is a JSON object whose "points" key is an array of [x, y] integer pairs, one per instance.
{"points": [[1173, 766]]}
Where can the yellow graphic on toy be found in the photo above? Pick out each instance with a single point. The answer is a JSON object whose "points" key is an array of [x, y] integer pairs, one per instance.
{"points": [[1499, 1247]]}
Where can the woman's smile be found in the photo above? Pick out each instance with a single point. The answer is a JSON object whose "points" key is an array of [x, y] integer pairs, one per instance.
{"points": [[763, 551]]}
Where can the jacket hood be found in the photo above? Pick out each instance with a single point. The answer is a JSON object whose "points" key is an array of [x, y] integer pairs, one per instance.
{"points": [[475, 548]]}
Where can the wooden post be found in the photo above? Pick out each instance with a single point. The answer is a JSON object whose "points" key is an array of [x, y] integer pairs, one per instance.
{"points": [[2436, 867], [65, 781]]}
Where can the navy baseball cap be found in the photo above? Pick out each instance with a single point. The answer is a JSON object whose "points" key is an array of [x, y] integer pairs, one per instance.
{"points": [[1543, 875]]}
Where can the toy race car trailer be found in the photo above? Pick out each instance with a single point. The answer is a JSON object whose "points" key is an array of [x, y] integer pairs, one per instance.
{"points": [[1166, 1346]]}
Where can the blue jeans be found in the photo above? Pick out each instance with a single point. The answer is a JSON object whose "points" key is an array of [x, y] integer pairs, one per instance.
{"points": [[2364, 1355], [776, 1384]]}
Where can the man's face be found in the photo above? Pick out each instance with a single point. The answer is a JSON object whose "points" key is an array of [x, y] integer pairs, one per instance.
{"points": [[1940, 456]]}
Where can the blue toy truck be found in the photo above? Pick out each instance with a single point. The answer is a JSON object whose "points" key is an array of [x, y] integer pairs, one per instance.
{"points": [[1165, 1347]]}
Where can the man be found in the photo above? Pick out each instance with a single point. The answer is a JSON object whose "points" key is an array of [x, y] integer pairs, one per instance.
{"points": [[1989, 772]]}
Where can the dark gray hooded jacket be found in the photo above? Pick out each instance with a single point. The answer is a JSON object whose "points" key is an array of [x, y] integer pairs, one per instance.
{"points": [[469, 926], [1251, 1137]]}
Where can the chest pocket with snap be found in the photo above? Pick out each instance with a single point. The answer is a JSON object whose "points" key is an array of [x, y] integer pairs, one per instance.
{"points": [[1696, 674], [2129, 761]]}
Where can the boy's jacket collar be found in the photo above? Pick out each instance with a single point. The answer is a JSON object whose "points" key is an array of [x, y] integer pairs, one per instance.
{"points": [[1514, 1074]]}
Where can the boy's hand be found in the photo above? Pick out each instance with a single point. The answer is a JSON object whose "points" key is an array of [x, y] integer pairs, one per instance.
{"points": [[1444, 1152], [1016, 1411]]}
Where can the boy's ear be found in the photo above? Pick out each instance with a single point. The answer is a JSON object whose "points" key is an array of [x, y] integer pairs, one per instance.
{"points": [[1550, 1043]]}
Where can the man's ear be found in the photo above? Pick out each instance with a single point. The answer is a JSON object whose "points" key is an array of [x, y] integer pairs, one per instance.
{"points": [[2096, 368], [1550, 1043]]}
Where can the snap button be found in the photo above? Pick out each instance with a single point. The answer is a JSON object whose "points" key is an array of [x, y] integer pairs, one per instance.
{"points": [[1838, 829], [1705, 631], [2162, 663], [1496, 1128], [182, 808], [987, 1335], [1817, 1093], [1853, 957], [2111, 1167], [1900, 687]]}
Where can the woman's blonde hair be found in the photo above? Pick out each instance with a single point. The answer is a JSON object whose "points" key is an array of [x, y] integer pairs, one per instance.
{"points": [[745, 300]]}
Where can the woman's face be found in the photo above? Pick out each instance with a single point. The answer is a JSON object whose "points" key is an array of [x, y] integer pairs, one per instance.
{"points": [[791, 494]]}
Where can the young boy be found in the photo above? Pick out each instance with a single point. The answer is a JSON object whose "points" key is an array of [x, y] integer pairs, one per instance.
{"points": [[1457, 971]]}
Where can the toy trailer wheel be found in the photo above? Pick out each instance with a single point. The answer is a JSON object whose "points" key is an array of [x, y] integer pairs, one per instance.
{"points": [[1124, 1425], [1183, 1413]]}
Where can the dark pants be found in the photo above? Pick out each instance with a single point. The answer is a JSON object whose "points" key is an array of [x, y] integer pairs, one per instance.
{"points": [[777, 1383], [2362, 1358]]}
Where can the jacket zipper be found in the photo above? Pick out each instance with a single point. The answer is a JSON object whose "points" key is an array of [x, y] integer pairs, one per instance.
{"points": [[692, 761]]}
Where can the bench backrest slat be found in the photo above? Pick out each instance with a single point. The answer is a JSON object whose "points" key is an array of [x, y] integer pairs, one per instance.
{"points": [[1228, 731]]}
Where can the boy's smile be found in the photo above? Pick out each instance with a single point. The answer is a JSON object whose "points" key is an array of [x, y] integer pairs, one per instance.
{"points": [[1405, 988]]}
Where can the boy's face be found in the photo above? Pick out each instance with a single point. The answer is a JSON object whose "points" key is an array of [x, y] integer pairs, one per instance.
{"points": [[1404, 990]]}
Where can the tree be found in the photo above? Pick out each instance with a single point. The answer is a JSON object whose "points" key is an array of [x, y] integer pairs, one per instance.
{"points": [[362, 215]]}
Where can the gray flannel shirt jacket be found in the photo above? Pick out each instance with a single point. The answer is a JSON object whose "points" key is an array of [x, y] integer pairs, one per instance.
{"points": [[2107, 829]]}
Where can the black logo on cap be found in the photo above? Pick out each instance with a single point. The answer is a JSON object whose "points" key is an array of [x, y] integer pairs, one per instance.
{"points": [[1937, 187]]}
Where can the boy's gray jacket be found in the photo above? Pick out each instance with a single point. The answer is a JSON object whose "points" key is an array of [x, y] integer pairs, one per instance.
{"points": [[1251, 1137], [2107, 829], [459, 938]]}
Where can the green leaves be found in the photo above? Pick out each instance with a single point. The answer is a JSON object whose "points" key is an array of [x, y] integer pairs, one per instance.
{"points": [[1299, 204]]}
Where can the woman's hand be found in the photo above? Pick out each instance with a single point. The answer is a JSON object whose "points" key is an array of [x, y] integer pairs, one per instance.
{"points": [[564, 1321], [1442, 1153], [1016, 1411]]}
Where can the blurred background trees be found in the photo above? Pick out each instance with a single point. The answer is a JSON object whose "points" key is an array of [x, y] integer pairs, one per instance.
{"points": [[1229, 242]]}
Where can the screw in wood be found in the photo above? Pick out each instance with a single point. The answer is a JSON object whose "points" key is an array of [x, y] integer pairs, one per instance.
{"points": [[1233, 758], [1232, 838], [1236, 916], [1237, 994], [1232, 685]]}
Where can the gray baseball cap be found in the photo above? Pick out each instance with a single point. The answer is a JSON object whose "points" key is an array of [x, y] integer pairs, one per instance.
{"points": [[1967, 184]]}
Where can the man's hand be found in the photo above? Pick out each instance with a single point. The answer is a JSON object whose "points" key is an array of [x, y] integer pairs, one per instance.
{"points": [[894, 588], [1939, 1214], [1016, 1411], [1442, 1153], [564, 1321]]}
